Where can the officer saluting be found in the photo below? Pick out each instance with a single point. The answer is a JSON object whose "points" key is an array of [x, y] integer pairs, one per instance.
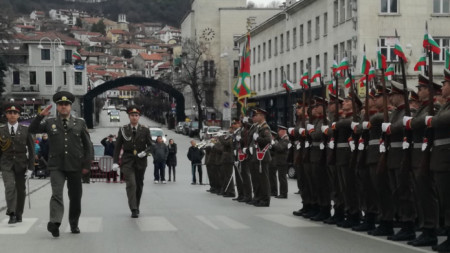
{"points": [[15, 143], [136, 142], [70, 155]]}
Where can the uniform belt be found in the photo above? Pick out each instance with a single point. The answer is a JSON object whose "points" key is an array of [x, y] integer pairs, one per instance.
{"points": [[440, 142], [418, 145], [343, 145], [374, 142], [396, 144], [316, 143]]}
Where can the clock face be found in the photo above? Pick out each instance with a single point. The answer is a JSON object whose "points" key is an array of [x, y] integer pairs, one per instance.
{"points": [[208, 34]]}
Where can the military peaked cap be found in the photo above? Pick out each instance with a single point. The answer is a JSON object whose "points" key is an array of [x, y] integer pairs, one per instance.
{"points": [[133, 109], [12, 107], [63, 97]]}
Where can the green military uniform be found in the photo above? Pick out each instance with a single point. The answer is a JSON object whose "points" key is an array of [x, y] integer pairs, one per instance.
{"points": [[236, 166], [226, 165], [16, 156], [281, 152], [244, 163], [216, 157], [273, 167], [209, 167], [70, 151]]}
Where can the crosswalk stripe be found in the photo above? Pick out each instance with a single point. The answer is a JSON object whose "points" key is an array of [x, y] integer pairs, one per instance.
{"points": [[207, 221], [89, 225], [18, 228], [287, 220], [155, 223], [231, 223]]}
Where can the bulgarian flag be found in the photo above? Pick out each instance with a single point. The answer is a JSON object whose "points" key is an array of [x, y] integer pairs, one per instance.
{"points": [[381, 60], [317, 75], [332, 86], [398, 50], [430, 44], [422, 62], [304, 80], [365, 65], [335, 67], [76, 55], [287, 85], [362, 81], [389, 72], [343, 65], [348, 83], [447, 59], [241, 88], [371, 73]]}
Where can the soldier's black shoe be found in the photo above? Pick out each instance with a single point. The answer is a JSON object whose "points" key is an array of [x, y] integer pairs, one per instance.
{"points": [[134, 213], [298, 213], [311, 213], [19, 218], [252, 202], [138, 212], [443, 247], [74, 229], [281, 197], [427, 238], [349, 223], [12, 219], [238, 198], [245, 200], [403, 235], [364, 227], [53, 228], [323, 215], [262, 204], [274, 194], [229, 195], [384, 229]]}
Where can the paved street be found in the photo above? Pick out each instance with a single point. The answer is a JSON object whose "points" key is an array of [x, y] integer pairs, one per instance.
{"points": [[178, 217]]}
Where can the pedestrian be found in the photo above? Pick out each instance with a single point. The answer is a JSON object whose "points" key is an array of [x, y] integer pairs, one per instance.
{"points": [[160, 153], [70, 155], [136, 141], [43, 156], [195, 155], [172, 159], [16, 167], [109, 144]]}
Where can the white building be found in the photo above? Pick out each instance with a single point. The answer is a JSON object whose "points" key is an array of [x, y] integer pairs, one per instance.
{"points": [[41, 65], [311, 33], [218, 23], [168, 33]]}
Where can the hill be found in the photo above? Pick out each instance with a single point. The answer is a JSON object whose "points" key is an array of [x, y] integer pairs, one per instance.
{"points": [[165, 11]]}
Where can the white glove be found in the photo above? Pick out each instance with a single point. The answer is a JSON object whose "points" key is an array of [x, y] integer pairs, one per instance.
{"points": [[324, 129], [244, 150], [428, 120], [236, 163], [28, 174], [406, 119], [301, 131], [331, 144], [382, 147], [245, 120], [238, 138], [361, 144], [365, 125], [298, 146], [306, 144], [352, 145], [291, 130], [115, 167], [333, 125], [250, 149], [385, 127], [142, 154], [235, 152], [289, 145], [424, 146], [272, 142], [255, 136], [405, 144], [354, 125], [309, 127], [322, 146]]}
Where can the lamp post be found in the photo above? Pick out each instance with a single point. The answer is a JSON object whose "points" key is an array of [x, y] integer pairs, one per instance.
{"points": [[225, 55], [193, 112], [24, 104], [33, 99]]}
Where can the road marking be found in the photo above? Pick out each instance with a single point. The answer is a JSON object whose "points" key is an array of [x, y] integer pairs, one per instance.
{"points": [[383, 239], [287, 220], [221, 222], [230, 223], [89, 225], [18, 228], [207, 221], [156, 223]]}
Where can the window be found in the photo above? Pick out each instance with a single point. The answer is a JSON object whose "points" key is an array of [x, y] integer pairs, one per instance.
{"points": [[336, 53], [342, 11], [349, 9], [78, 78], [294, 67], [236, 68], [294, 38], [270, 79], [443, 44], [264, 81], [32, 77], [45, 54], [389, 6], [259, 53], [275, 53], [65, 77], [301, 35], [276, 76], [308, 66], [16, 77], [349, 50], [264, 51], [309, 32], [441, 6], [205, 68], [342, 50], [288, 40], [387, 48], [317, 27], [288, 72], [212, 69], [282, 75], [270, 49], [254, 55], [48, 78], [302, 69], [281, 43], [317, 61], [325, 64], [259, 82], [253, 83], [336, 12], [68, 56], [235, 41], [325, 23]]}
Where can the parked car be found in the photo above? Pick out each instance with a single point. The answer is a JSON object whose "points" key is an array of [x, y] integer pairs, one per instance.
{"points": [[186, 128], [111, 108], [179, 128], [193, 128], [208, 132], [121, 108], [155, 132], [114, 115]]}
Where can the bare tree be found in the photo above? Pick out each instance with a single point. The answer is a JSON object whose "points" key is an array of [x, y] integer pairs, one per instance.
{"points": [[251, 5], [274, 4]]}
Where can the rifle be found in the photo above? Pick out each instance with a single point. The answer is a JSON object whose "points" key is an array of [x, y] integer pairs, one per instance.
{"points": [[306, 154], [355, 118], [331, 157], [325, 119], [381, 166]]}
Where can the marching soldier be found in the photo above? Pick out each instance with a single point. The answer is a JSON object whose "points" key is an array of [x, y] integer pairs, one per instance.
{"points": [[226, 165], [440, 159], [17, 159], [281, 152], [260, 158], [424, 186], [70, 155], [136, 141], [400, 178]]}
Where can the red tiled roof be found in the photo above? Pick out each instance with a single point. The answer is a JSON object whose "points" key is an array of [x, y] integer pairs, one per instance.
{"points": [[129, 46], [151, 57], [117, 31], [95, 21], [50, 35], [88, 33], [128, 88]]}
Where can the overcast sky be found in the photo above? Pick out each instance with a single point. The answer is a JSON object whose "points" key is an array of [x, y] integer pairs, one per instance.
{"points": [[260, 3]]}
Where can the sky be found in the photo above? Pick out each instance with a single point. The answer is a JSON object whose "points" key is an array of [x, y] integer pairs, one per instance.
{"points": [[262, 2]]}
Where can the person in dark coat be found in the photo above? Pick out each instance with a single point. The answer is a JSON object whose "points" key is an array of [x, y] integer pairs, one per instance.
{"points": [[109, 144], [195, 155], [172, 159], [160, 153]]}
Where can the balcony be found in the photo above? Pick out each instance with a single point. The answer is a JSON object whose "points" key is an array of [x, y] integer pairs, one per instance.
{"points": [[25, 89]]}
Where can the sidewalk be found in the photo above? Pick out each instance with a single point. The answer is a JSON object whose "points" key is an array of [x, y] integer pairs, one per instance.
{"points": [[35, 184]]}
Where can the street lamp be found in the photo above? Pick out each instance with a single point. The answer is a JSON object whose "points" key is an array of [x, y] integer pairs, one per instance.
{"points": [[225, 55], [33, 99], [24, 103], [193, 112]]}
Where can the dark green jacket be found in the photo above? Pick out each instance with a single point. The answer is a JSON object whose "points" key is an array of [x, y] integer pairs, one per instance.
{"points": [[280, 151], [13, 152], [440, 158]]}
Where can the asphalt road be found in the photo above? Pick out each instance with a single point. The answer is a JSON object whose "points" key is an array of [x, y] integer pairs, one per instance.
{"points": [[179, 217]]}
